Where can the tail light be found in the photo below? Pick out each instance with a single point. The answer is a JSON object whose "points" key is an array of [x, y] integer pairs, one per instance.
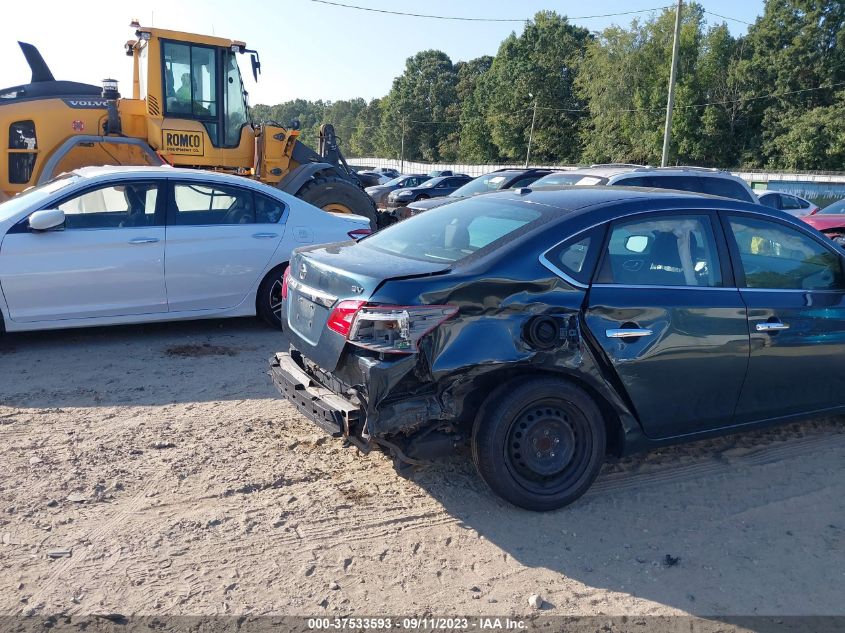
{"points": [[285, 278], [387, 329], [340, 319], [359, 234]]}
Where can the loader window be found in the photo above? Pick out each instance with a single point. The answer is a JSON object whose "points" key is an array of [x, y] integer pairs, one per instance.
{"points": [[190, 84], [23, 148], [235, 107]]}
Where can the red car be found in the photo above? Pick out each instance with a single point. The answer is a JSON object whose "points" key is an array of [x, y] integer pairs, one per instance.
{"points": [[830, 221]]}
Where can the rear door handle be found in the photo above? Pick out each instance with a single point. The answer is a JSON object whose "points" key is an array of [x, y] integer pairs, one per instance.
{"points": [[770, 326], [626, 332], [143, 240], [264, 236]]}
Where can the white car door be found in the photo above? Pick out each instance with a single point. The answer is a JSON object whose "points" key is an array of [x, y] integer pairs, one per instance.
{"points": [[219, 241], [106, 260]]}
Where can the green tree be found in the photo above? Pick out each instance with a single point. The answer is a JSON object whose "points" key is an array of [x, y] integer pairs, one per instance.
{"points": [[541, 64], [419, 102]]}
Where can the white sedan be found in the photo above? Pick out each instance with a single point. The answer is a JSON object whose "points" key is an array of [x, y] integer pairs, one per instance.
{"points": [[113, 245]]}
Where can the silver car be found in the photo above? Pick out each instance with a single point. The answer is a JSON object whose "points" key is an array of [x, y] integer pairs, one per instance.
{"points": [[379, 193]]}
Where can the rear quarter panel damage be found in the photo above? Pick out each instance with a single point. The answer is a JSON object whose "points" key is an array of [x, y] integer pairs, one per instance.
{"points": [[467, 357]]}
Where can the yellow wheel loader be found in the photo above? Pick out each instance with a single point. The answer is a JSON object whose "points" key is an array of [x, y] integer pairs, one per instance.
{"points": [[188, 109]]}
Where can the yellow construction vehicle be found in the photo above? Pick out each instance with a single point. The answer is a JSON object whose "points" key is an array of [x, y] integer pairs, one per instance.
{"points": [[188, 109]]}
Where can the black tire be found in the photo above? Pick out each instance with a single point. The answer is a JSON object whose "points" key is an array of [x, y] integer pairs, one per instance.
{"points": [[328, 190], [268, 299], [542, 414]]}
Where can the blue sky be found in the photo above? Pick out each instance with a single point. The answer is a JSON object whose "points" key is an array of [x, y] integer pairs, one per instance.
{"points": [[308, 50]]}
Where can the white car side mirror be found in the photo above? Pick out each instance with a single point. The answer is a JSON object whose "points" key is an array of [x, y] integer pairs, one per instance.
{"points": [[46, 220]]}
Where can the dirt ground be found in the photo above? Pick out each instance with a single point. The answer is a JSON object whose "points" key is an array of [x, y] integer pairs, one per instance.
{"points": [[154, 470]]}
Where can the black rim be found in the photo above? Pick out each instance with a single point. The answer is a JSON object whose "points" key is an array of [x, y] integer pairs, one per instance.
{"points": [[548, 448], [275, 300]]}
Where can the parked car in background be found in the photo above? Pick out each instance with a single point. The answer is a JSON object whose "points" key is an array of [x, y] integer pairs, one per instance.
{"points": [[693, 179], [431, 188], [379, 193], [90, 247], [371, 178], [494, 181], [388, 171], [786, 202], [546, 329], [830, 220]]}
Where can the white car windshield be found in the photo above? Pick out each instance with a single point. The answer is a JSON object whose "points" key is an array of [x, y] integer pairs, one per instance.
{"points": [[33, 196]]}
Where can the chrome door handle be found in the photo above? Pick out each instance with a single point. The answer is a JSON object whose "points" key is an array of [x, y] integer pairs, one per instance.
{"points": [[771, 327], [264, 236], [143, 240], [626, 332]]}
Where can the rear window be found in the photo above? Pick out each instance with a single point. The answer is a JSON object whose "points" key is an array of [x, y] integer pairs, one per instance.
{"points": [[455, 231]]}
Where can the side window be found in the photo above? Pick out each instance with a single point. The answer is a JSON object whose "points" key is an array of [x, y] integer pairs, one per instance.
{"points": [[791, 203], [111, 207], [576, 257], [770, 200], [444, 183], [199, 205], [681, 183], [23, 146], [267, 210], [638, 181], [662, 251], [724, 187], [775, 256]]}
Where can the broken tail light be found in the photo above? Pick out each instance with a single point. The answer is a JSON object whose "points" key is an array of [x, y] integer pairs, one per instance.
{"points": [[285, 278], [341, 317], [396, 329]]}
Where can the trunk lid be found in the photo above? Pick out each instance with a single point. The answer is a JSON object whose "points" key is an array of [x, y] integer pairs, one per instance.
{"points": [[322, 276]]}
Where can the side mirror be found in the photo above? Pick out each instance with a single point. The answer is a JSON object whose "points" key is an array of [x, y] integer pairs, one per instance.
{"points": [[46, 220]]}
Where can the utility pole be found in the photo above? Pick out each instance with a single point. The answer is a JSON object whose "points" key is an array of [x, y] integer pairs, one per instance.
{"points": [[670, 102], [531, 132], [402, 151]]}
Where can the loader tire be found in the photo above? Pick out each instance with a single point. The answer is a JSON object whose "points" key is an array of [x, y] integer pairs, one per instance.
{"points": [[333, 193]]}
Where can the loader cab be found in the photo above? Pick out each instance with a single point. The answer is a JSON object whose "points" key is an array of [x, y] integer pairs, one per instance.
{"points": [[204, 83], [188, 77]]}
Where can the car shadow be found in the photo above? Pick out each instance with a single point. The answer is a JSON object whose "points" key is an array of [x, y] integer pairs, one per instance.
{"points": [[150, 364], [744, 525]]}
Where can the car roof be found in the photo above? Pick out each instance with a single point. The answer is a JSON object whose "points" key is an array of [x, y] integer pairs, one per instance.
{"points": [[165, 171], [574, 199]]}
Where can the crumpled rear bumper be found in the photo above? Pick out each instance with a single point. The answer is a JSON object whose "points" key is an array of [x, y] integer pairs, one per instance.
{"points": [[333, 413]]}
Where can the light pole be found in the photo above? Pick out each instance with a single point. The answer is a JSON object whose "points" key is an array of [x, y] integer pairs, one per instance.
{"points": [[670, 102], [531, 132], [402, 150]]}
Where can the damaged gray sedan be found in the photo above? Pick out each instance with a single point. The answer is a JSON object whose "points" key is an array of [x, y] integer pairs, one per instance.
{"points": [[545, 330]]}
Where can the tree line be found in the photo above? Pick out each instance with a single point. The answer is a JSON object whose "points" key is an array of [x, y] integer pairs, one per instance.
{"points": [[773, 98]]}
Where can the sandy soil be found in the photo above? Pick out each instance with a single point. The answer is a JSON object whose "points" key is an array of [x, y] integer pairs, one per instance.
{"points": [[154, 470]]}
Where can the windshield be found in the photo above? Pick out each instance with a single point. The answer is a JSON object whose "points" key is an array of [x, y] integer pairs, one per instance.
{"points": [[396, 181], [454, 231], [835, 208], [428, 184], [482, 184], [34, 195], [566, 179]]}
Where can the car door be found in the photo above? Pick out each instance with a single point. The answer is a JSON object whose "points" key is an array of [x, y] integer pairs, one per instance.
{"points": [[106, 260], [663, 310], [219, 240], [794, 287]]}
